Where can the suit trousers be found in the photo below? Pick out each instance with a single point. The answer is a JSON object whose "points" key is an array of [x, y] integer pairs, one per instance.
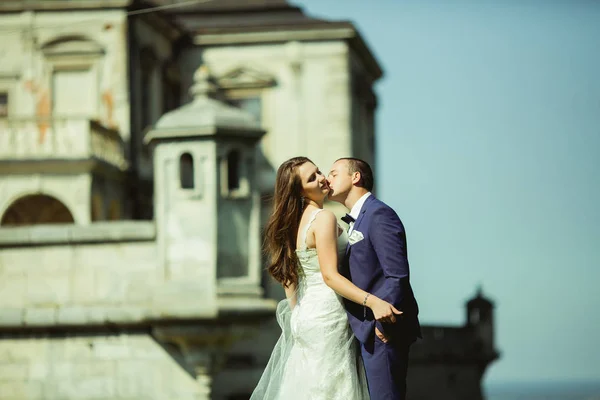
{"points": [[386, 365]]}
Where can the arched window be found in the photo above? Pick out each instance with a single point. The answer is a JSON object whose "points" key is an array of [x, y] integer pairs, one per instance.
{"points": [[36, 209], [186, 171], [233, 170]]}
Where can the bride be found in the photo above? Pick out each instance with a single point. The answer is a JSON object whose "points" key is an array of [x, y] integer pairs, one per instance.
{"points": [[316, 356]]}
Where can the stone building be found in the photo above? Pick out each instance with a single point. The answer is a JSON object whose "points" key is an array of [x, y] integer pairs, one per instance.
{"points": [[450, 361], [137, 154]]}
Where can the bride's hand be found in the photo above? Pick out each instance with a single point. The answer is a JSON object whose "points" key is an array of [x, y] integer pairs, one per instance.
{"points": [[383, 311]]}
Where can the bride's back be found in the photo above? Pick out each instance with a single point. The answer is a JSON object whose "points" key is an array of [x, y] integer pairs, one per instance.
{"points": [[306, 249], [304, 238]]}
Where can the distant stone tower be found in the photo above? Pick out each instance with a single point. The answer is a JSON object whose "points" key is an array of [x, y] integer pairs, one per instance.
{"points": [[480, 318], [449, 362]]}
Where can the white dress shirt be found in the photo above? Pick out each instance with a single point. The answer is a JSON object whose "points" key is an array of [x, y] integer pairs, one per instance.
{"points": [[355, 212]]}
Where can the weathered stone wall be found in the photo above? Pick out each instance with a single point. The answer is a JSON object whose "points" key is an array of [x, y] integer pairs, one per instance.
{"points": [[98, 367], [60, 71], [27, 73], [74, 280], [78, 275]]}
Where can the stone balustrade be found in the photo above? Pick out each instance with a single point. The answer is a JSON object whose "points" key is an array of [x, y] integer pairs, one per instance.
{"points": [[60, 138]]}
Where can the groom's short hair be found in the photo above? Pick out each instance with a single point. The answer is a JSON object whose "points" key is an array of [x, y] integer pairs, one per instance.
{"points": [[362, 167]]}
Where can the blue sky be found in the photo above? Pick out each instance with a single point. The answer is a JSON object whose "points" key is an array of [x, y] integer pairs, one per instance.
{"points": [[489, 150]]}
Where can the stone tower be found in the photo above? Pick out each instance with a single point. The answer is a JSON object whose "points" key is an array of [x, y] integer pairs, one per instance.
{"points": [[207, 207], [480, 318], [206, 201]]}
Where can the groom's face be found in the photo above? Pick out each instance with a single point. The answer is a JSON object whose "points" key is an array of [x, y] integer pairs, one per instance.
{"points": [[340, 181]]}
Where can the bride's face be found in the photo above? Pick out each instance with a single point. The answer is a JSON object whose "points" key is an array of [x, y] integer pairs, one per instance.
{"points": [[314, 184]]}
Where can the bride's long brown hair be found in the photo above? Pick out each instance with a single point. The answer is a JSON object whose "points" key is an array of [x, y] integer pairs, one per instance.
{"points": [[282, 228]]}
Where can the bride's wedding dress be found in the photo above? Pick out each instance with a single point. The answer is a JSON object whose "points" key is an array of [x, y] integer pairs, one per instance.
{"points": [[316, 357]]}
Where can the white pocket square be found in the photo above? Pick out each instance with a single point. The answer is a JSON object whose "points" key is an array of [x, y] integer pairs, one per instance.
{"points": [[355, 237]]}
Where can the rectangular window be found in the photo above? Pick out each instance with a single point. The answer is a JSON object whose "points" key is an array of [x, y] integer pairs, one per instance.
{"points": [[3, 104], [74, 92], [251, 104]]}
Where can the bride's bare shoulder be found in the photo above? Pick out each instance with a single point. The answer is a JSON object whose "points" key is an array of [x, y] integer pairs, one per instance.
{"points": [[325, 218]]}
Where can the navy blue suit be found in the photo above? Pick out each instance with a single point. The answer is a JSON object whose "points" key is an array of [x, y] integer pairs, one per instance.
{"points": [[378, 264]]}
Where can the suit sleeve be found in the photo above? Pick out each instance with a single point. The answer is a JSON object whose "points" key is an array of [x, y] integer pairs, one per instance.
{"points": [[389, 242]]}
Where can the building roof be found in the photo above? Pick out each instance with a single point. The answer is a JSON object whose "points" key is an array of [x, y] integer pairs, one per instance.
{"points": [[223, 14], [230, 22], [479, 300], [226, 4], [53, 5], [224, 22]]}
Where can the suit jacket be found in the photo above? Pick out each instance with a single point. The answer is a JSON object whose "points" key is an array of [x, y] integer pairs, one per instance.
{"points": [[378, 264]]}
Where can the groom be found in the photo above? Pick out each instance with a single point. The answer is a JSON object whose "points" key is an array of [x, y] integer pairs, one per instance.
{"points": [[376, 261]]}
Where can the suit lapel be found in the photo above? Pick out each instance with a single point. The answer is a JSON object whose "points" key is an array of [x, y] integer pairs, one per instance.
{"points": [[360, 217]]}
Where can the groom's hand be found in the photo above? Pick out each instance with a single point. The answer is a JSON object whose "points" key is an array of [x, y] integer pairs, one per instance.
{"points": [[381, 336]]}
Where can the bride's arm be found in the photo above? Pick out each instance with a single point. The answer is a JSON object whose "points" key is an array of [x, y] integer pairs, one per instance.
{"points": [[326, 231], [290, 295]]}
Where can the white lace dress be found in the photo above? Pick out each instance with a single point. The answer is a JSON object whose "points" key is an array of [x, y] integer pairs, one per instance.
{"points": [[317, 356]]}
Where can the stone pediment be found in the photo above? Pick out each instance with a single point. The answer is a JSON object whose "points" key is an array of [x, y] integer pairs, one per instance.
{"points": [[204, 116], [72, 45], [245, 78]]}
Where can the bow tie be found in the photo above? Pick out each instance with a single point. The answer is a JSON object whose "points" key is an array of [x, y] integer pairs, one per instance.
{"points": [[348, 218]]}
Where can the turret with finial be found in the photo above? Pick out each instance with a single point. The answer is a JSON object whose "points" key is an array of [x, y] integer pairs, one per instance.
{"points": [[480, 317]]}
